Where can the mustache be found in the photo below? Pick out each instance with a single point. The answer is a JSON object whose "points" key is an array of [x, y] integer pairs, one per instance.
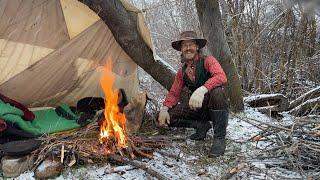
{"points": [[189, 51]]}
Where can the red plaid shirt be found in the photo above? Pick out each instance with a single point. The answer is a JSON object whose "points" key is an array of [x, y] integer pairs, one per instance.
{"points": [[218, 78]]}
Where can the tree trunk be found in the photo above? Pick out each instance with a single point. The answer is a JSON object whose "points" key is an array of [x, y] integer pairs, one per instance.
{"points": [[123, 25], [211, 25], [281, 70]]}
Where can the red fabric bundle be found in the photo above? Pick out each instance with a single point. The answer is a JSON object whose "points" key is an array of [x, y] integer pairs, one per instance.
{"points": [[3, 125], [28, 115]]}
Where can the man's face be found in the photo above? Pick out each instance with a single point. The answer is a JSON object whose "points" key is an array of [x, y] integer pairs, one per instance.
{"points": [[189, 49]]}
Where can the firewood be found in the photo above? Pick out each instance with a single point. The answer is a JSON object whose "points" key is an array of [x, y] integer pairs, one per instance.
{"points": [[134, 112], [139, 165], [140, 152], [233, 171], [84, 145]]}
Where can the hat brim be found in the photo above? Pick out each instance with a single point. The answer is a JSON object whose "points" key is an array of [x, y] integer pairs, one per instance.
{"points": [[177, 44]]}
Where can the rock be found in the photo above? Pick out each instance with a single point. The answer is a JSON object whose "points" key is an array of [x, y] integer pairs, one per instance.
{"points": [[48, 168], [13, 166], [134, 112]]}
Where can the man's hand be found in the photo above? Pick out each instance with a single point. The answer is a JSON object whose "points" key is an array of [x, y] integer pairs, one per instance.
{"points": [[164, 117], [196, 98]]}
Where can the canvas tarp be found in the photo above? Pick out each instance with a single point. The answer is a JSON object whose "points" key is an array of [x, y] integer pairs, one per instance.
{"points": [[50, 50]]}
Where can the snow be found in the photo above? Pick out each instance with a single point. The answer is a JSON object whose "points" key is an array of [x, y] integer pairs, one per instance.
{"points": [[260, 96], [192, 161], [165, 64], [304, 103]]}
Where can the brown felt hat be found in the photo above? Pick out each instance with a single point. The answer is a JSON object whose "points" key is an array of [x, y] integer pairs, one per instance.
{"points": [[188, 35]]}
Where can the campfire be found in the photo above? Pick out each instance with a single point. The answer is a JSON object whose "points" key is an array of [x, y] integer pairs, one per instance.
{"points": [[113, 126], [108, 138]]}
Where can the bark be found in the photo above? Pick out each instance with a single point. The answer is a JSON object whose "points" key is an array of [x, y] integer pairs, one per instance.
{"points": [[313, 35], [297, 50], [284, 40], [211, 25], [123, 25], [290, 54], [237, 44]]}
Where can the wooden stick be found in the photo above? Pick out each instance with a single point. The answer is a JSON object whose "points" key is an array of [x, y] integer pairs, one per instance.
{"points": [[289, 155], [233, 171], [139, 165], [265, 123], [140, 152], [174, 156], [316, 128], [120, 170]]}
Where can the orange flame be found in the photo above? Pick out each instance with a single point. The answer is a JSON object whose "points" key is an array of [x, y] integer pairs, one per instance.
{"points": [[112, 128]]}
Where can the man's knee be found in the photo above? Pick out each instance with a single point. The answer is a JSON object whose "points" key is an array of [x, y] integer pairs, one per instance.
{"points": [[218, 91], [218, 99]]}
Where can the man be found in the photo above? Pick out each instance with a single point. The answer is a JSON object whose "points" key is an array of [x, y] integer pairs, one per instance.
{"points": [[204, 77]]}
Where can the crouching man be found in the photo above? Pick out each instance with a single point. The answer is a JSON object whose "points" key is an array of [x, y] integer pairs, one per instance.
{"points": [[205, 78]]}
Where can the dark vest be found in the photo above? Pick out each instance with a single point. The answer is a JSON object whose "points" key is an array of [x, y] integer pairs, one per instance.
{"points": [[202, 75]]}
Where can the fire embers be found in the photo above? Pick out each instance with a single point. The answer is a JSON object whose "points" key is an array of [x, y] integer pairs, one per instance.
{"points": [[112, 130]]}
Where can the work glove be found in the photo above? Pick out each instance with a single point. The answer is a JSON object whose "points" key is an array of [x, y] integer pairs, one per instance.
{"points": [[196, 98], [164, 117]]}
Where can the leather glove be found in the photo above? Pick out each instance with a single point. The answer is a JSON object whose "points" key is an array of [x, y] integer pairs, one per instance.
{"points": [[196, 98], [164, 117]]}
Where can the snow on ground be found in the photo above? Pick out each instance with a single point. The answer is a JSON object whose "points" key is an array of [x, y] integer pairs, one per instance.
{"points": [[191, 161]]}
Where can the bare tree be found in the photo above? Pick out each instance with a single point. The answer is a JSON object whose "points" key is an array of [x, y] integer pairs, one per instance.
{"points": [[123, 26], [211, 25]]}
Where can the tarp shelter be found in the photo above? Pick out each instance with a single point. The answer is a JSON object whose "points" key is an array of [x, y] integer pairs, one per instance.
{"points": [[50, 49]]}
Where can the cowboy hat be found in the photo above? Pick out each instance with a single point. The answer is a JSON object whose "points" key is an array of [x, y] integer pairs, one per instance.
{"points": [[188, 35]]}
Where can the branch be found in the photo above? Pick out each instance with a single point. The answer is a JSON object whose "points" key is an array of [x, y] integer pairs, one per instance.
{"points": [[139, 165]]}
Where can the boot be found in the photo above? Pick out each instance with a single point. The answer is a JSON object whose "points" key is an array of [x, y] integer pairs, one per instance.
{"points": [[220, 117], [201, 127]]}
